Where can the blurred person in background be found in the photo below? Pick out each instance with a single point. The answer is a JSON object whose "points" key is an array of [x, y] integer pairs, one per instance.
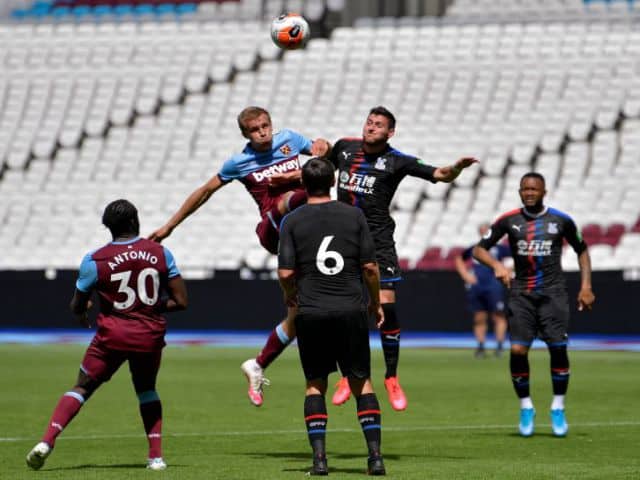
{"points": [[485, 295]]}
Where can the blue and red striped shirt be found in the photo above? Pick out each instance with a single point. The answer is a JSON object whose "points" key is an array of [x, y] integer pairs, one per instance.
{"points": [[536, 246]]}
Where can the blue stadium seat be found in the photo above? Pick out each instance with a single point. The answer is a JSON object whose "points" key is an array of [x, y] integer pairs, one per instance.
{"points": [[144, 9], [77, 9], [38, 12], [81, 11], [165, 8], [19, 14], [102, 10], [41, 4], [122, 10], [186, 8], [59, 12]]}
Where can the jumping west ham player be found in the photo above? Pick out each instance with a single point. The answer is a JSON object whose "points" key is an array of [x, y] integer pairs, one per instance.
{"points": [[369, 172], [267, 157], [538, 301], [132, 278]]}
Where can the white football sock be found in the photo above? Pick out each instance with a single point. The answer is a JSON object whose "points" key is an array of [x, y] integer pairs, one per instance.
{"points": [[526, 402], [558, 402]]}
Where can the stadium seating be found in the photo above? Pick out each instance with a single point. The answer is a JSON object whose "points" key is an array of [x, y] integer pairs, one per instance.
{"points": [[91, 112], [140, 10], [539, 8]]}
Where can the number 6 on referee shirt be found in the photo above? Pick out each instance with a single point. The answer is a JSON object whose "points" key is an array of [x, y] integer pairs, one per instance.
{"points": [[323, 255]]}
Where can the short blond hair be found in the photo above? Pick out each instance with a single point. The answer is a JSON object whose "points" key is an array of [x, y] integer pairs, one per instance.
{"points": [[250, 113]]}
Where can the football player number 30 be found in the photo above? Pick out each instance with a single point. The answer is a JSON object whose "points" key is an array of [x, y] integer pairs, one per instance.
{"points": [[324, 254], [148, 298]]}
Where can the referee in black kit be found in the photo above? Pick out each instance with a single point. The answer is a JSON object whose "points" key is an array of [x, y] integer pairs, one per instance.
{"points": [[326, 253]]}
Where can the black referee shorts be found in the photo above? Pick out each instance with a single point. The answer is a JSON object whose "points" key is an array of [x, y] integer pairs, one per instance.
{"points": [[532, 315], [334, 338]]}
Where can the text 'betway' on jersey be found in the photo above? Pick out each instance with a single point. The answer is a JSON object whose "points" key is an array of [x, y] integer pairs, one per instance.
{"points": [[288, 165]]}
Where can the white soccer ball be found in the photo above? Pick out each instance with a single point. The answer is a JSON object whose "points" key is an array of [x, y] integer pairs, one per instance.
{"points": [[290, 31]]}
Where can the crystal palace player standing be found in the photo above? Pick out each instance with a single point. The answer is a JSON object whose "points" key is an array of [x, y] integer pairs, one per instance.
{"points": [[269, 168], [369, 172], [326, 251], [538, 303], [129, 275]]}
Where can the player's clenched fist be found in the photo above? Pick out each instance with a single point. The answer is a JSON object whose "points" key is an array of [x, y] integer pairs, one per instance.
{"points": [[160, 234], [320, 148]]}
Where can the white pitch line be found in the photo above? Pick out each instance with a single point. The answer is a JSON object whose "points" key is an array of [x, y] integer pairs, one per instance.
{"points": [[424, 428]]}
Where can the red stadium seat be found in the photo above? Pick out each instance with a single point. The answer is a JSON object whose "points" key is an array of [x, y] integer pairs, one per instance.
{"points": [[592, 233], [613, 233], [592, 230]]}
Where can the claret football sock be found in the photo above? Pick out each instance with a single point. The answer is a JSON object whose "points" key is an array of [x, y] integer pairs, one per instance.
{"points": [[68, 406], [276, 343], [151, 413]]}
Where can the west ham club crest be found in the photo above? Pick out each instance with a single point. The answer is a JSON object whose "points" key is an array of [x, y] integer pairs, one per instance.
{"points": [[285, 149]]}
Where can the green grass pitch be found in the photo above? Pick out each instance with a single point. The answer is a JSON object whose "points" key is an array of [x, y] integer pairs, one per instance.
{"points": [[460, 424]]}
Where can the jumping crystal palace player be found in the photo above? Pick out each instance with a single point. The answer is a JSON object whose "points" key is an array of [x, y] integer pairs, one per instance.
{"points": [[369, 172], [538, 302], [130, 276]]}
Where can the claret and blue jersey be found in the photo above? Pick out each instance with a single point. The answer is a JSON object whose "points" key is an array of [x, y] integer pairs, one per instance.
{"points": [[88, 272], [129, 278], [254, 168], [536, 245]]}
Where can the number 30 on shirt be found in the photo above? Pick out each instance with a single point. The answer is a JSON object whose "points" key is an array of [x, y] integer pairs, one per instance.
{"points": [[148, 298]]}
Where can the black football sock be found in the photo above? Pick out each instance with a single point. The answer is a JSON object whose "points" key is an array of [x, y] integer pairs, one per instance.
{"points": [[369, 416], [315, 417], [519, 365], [559, 369], [390, 339]]}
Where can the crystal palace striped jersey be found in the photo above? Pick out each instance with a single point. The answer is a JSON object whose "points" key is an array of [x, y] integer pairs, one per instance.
{"points": [[536, 246], [370, 181]]}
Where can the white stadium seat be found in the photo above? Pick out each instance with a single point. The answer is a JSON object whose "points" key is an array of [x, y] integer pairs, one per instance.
{"points": [[147, 110]]}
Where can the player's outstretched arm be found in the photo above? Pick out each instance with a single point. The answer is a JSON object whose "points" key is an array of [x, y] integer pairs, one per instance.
{"points": [[501, 272], [449, 173], [371, 277], [177, 296], [586, 298], [190, 205], [80, 305]]}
